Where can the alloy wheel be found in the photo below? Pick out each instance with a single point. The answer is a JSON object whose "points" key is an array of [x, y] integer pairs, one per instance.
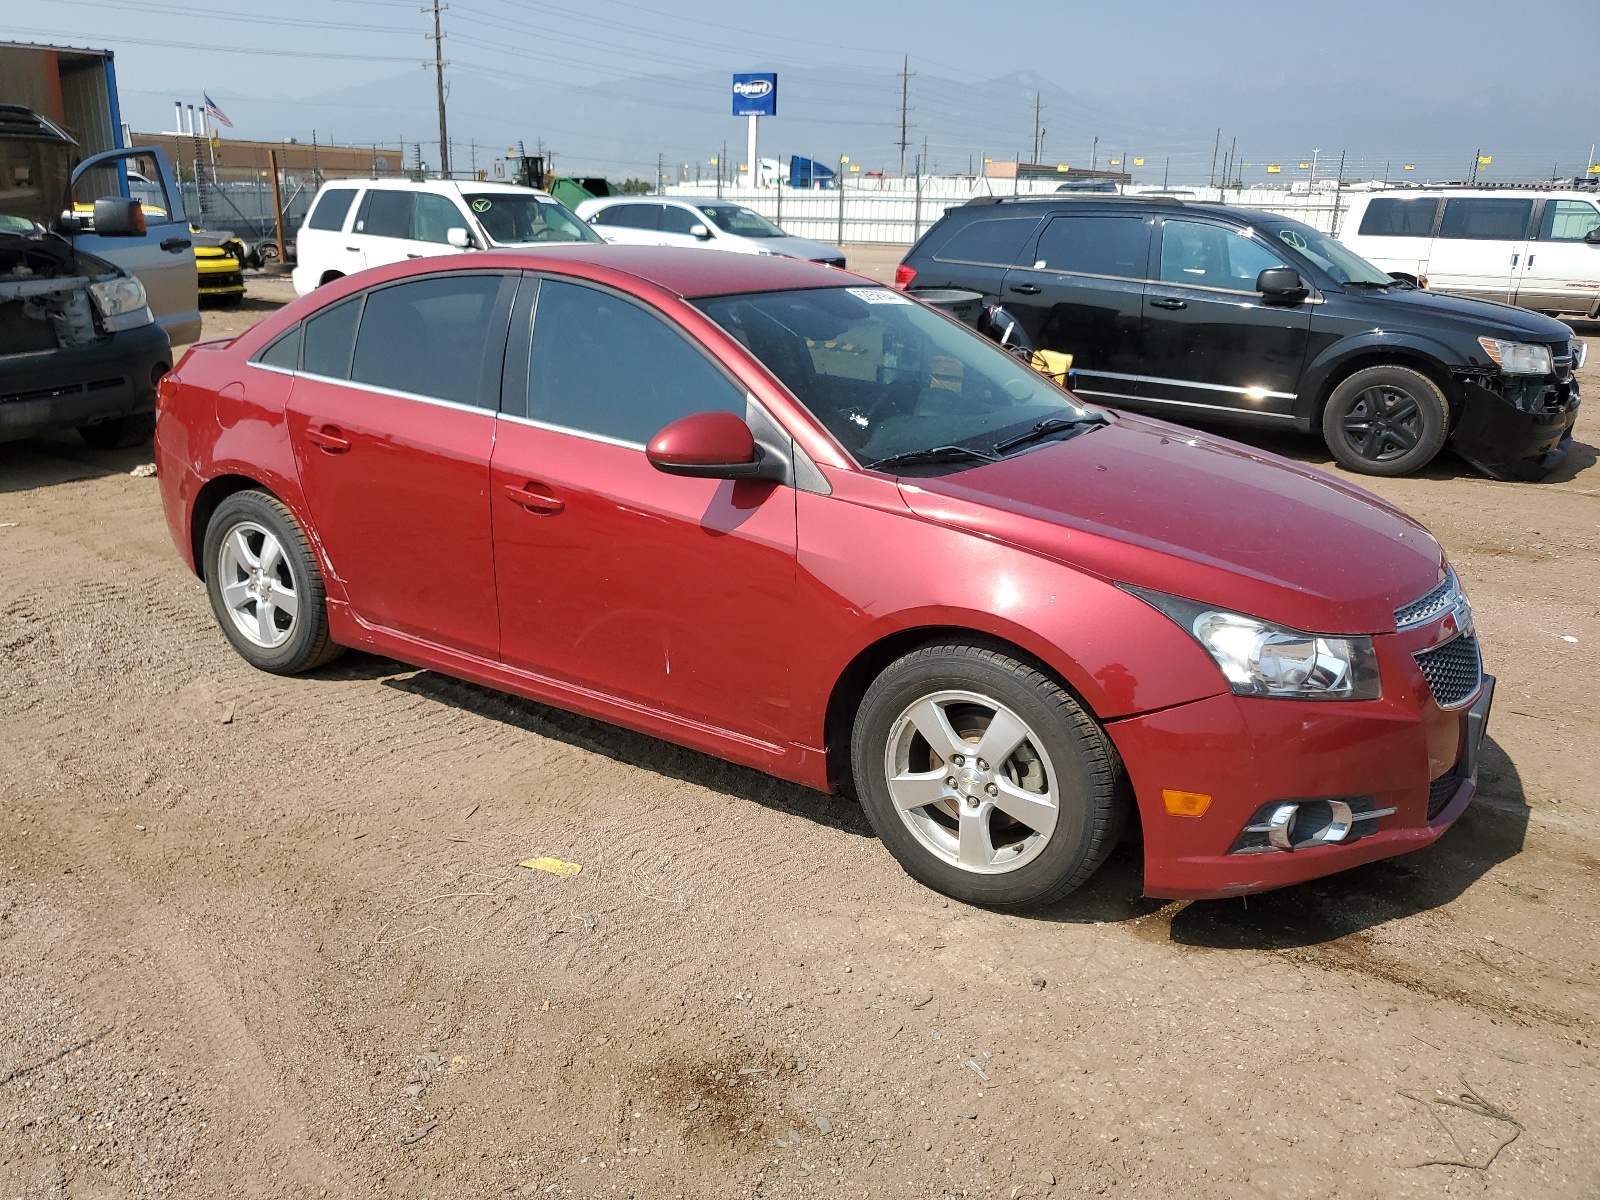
{"points": [[258, 585]]}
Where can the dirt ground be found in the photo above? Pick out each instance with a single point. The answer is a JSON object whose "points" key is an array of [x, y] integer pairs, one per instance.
{"points": [[267, 937]]}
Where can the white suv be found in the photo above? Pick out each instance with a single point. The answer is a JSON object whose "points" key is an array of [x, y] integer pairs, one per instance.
{"points": [[1537, 249], [359, 223]]}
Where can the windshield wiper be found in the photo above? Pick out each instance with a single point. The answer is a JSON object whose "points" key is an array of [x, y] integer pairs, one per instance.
{"points": [[1387, 283], [1048, 427], [934, 454]]}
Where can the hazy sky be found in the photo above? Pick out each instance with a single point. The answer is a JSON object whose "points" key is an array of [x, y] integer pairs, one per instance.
{"points": [[1156, 76]]}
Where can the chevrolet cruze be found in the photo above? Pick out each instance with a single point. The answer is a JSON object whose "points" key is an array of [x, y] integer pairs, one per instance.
{"points": [[782, 515]]}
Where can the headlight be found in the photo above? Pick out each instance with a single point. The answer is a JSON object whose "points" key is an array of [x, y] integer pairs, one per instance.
{"points": [[1259, 658], [121, 302], [1517, 358]]}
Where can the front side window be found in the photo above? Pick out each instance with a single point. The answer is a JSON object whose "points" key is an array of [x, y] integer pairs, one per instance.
{"points": [[384, 213], [603, 365], [517, 219], [993, 243], [1567, 220], [431, 337], [888, 376], [678, 220], [329, 338], [331, 209], [1213, 256], [1489, 220], [1390, 217], [741, 222], [1094, 245], [433, 217]]}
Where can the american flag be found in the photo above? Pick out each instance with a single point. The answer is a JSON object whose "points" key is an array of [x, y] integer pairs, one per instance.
{"points": [[211, 110]]}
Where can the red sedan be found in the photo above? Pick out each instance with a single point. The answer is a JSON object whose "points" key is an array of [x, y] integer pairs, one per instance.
{"points": [[767, 510]]}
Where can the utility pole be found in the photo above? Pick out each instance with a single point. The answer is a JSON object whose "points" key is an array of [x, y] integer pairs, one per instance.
{"points": [[1314, 153], [1472, 175], [437, 37], [1094, 153], [660, 171], [1038, 133], [1166, 171], [1215, 146], [905, 92]]}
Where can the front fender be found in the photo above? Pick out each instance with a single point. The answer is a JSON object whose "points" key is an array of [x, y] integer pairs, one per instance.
{"points": [[1333, 360]]}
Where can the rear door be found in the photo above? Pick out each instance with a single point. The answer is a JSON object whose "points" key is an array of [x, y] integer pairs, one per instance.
{"points": [[977, 255], [1211, 341], [163, 257], [1082, 293], [392, 422], [1561, 272], [635, 223], [1480, 247]]}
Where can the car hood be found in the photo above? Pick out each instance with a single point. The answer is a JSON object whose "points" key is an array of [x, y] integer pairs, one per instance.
{"points": [[1144, 502], [1485, 318], [795, 247]]}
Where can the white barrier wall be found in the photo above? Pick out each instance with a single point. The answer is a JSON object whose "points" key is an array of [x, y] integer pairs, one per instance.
{"points": [[896, 212]]}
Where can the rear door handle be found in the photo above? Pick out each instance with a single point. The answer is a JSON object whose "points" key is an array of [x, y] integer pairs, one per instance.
{"points": [[413, 256], [1026, 289], [353, 249], [176, 244], [540, 502], [1168, 302], [328, 438]]}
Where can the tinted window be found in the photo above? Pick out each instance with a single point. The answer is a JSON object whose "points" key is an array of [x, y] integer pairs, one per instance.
{"points": [[994, 243], [1389, 217], [283, 353], [631, 216], [433, 216], [742, 222], [1094, 246], [331, 209], [1486, 220], [1567, 220], [431, 337], [677, 220], [1212, 256], [384, 214], [600, 364], [329, 338]]}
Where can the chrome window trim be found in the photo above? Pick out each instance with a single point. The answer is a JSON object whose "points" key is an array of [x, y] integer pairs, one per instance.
{"points": [[378, 391], [577, 433], [1221, 408], [1210, 387]]}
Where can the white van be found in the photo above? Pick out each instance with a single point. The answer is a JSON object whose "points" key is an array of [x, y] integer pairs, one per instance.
{"points": [[1537, 249], [354, 224]]}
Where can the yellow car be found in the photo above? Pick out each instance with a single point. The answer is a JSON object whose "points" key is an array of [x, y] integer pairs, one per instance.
{"points": [[221, 275]]}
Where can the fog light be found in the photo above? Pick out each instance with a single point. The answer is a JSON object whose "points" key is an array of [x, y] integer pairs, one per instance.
{"points": [[1185, 804]]}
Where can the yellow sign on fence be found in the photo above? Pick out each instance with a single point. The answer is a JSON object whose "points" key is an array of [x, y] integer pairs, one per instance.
{"points": [[1273, 169]]}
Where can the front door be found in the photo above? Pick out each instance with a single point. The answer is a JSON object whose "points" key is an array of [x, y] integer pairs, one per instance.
{"points": [[671, 593], [1480, 247], [1561, 272], [392, 424], [381, 230], [1212, 344], [1080, 293]]}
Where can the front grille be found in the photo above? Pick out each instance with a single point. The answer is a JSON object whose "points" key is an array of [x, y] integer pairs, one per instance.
{"points": [[1429, 606], [1453, 670], [1563, 366], [1441, 789]]}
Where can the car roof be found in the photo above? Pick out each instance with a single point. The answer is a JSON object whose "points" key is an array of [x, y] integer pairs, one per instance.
{"points": [[599, 202], [448, 187], [691, 272]]}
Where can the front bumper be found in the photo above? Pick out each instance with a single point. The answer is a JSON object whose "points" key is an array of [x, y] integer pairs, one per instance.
{"points": [[1516, 427], [1249, 755], [114, 376]]}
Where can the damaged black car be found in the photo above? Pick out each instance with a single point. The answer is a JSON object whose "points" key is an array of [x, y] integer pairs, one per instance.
{"points": [[1201, 312]]}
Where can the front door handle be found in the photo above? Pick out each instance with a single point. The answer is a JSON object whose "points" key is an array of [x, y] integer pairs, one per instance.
{"points": [[353, 249], [413, 256], [540, 502], [1026, 289], [1168, 302], [176, 244], [329, 438]]}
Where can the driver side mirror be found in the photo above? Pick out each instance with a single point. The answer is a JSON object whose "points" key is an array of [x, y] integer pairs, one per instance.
{"points": [[116, 217], [701, 232], [1593, 236], [459, 238], [711, 445], [1281, 285]]}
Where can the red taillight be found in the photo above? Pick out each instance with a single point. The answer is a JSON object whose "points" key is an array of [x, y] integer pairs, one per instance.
{"points": [[903, 275]]}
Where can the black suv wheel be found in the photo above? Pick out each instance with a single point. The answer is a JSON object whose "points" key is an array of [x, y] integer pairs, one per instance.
{"points": [[1386, 421]]}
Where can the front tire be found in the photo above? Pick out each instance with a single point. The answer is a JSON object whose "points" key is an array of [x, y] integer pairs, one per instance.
{"points": [[984, 777], [1386, 421], [265, 587]]}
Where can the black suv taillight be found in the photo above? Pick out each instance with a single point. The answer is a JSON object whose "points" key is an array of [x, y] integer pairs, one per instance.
{"points": [[903, 275]]}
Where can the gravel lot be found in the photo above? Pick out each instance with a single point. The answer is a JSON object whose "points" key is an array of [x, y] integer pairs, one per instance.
{"points": [[268, 938]]}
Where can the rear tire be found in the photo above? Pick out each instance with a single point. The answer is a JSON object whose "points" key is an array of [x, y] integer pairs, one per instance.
{"points": [[1026, 829], [120, 433], [265, 587], [1386, 420]]}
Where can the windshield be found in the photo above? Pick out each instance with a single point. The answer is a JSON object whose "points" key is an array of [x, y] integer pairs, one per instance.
{"points": [[513, 219], [1339, 262], [744, 222], [888, 376]]}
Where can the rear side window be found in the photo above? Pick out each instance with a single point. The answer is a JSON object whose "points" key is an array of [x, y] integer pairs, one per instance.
{"points": [[993, 243], [1094, 245], [384, 214], [603, 365], [331, 209], [329, 338], [1567, 220], [1389, 217], [1487, 220], [283, 353], [631, 216], [430, 337]]}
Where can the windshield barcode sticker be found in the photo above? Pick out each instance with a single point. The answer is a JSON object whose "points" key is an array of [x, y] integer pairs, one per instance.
{"points": [[878, 295]]}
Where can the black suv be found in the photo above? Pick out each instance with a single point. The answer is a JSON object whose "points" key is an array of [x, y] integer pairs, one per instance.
{"points": [[1202, 312]]}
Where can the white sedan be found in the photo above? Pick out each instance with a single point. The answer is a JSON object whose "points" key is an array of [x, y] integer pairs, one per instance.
{"points": [[709, 225]]}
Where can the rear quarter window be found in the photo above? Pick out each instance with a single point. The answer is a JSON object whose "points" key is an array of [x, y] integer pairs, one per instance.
{"points": [[1391, 217], [996, 242], [331, 209]]}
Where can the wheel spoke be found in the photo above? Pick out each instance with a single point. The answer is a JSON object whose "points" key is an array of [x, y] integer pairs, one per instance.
{"points": [[1000, 741], [1401, 407], [976, 848], [1037, 812], [1403, 436], [915, 790], [239, 549], [932, 723], [271, 554], [236, 594], [283, 599], [1371, 443]]}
